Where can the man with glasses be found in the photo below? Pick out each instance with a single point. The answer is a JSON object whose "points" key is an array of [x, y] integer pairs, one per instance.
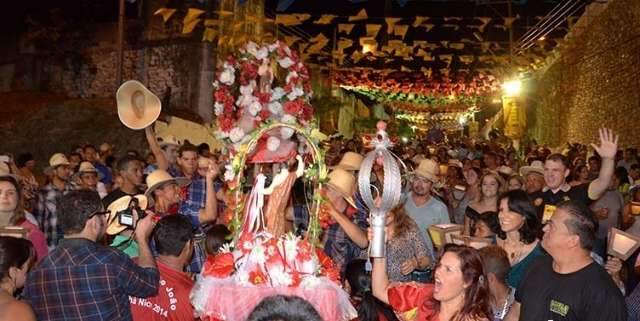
{"points": [[83, 280]]}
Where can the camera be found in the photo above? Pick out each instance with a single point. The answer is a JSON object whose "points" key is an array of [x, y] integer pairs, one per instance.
{"points": [[125, 217]]}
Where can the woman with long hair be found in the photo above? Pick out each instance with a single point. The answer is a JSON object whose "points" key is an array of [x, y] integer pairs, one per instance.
{"points": [[16, 258], [471, 193], [580, 175], [407, 250], [460, 291], [491, 185], [520, 227], [13, 214], [358, 284]]}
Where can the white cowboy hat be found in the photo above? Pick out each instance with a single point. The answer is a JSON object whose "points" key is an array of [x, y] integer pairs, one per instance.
{"points": [[119, 205], [160, 177], [344, 183], [138, 107], [535, 167], [168, 140], [87, 167], [5, 170], [350, 162], [428, 169]]}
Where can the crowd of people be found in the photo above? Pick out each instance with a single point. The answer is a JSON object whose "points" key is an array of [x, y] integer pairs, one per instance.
{"points": [[106, 234]]}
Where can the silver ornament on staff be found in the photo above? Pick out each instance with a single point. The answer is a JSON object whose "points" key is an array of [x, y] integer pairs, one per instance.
{"points": [[391, 190]]}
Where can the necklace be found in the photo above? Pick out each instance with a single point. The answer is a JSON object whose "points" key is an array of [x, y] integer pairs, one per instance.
{"points": [[503, 311]]}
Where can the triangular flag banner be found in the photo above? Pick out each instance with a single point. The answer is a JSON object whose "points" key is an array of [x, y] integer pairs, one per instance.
{"points": [[400, 30], [466, 59], [405, 69], [356, 56], [452, 19], [391, 22], [344, 43], [209, 34], [292, 19], [325, 19], [419, 20], [450, 25], [372, 30], [189, 26], [362, 15], [508, 21], [317, 43], [166, 13], [421, 53], [345, 27], [290, 40], [211, 22], [428, 27], [192, 14], [456, 45]]}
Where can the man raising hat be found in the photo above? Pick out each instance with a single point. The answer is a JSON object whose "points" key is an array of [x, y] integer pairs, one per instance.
{"points": [[50, 196]]}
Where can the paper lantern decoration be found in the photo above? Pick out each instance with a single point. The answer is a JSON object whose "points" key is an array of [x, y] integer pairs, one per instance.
{"points": [[441, 233], [474, 242], [621, 244]]}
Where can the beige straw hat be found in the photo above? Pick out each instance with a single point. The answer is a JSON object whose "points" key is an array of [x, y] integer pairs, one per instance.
{"points": [[119, 205], [160, 177], [535, 167], [344, 183], [350, 162], [428, 169], [138, 107]]}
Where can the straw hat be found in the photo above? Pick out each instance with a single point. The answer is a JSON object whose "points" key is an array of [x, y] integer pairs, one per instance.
{"points": [[105, 147], [428, 169], [505, 170], [138, 107], [535, 167], [350, 162], [58, 159], [87, 167], [344, 183], [119, 205], [5, 170], [168, 140], [160, 177]]}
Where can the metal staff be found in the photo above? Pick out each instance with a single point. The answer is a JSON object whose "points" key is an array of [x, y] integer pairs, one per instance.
{"points": [[392, 188]]}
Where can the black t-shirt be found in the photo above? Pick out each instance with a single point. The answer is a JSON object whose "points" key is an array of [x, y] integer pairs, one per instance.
{"points": [[114, 195], [586, 295], [578, 193]]}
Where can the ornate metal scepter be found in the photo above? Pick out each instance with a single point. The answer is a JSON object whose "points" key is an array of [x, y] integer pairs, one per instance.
{"points": [[391, 192]]}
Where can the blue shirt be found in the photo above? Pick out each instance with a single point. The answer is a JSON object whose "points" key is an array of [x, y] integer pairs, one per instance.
{"points": [[81, 280], [430, 213]]}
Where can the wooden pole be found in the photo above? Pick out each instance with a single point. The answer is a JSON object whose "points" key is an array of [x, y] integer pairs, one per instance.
{"points": [[120, 40]]}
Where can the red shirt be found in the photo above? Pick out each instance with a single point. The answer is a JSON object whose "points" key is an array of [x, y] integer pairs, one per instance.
{"points": [[172, 301]]}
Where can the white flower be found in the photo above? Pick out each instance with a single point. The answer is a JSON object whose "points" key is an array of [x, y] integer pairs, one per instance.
{"points": [[273, 143], [286, 62], [218, 108], [216, 84], [226, 247], [248, 89], [228, 76], [295, 93], [252, 48], [277, 93], [228, 173], [220, 134], [286, 132], [262, 53], [255, 107], [275, 108], [245, 100], [279, 276], [310, 282], [258, 255], [288, 119], [236, 134], [290, 248], [273, 46]]}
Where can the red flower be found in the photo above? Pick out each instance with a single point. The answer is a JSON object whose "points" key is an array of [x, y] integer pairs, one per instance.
{"points": [[257, 277], [219, 266], [250, 70], [225, 123], [304, 251], [307, 112], [220, 94], [265, 113], [295, 278], [293, 107], [264, 98]]}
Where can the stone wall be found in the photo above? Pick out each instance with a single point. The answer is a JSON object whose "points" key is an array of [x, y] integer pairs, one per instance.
{"points": [[594, 82]]}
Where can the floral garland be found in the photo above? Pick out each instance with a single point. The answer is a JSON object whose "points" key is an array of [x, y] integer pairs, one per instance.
{"points": [[246, 93], [286, 261]]}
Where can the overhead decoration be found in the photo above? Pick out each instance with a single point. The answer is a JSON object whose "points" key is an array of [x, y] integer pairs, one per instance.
{"points": [[191, 20], [362, 15], [292, 19], [165, 13], [345, 28], [325, 19]]}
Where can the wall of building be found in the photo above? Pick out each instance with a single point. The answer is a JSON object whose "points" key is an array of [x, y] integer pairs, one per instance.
{"points": [[594, 82]]}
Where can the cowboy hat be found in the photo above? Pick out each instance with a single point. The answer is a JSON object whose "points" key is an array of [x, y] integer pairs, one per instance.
{"points": [[87, 167], [120, 205], [138, 107], [428, 169], [5, 170], [344, 183], [57, 159], [168, 140], [535, 167], [350, 161], [159, 178]]}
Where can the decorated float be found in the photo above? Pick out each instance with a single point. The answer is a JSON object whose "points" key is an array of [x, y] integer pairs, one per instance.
{"points": [[264, 117]]}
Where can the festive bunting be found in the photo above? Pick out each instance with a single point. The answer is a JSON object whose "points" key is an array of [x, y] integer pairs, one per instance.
{"points": [[508, 21], [373, 29], [362, 15], [290, 40], [419, 20], [391, 22], [450, 25], [458, 19], [292, 19], [211, 22], [317, 43], [189, 26], [400, 30], [345, 28], [325, 19], [209, 34], [456, 45], [165, 13]]}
